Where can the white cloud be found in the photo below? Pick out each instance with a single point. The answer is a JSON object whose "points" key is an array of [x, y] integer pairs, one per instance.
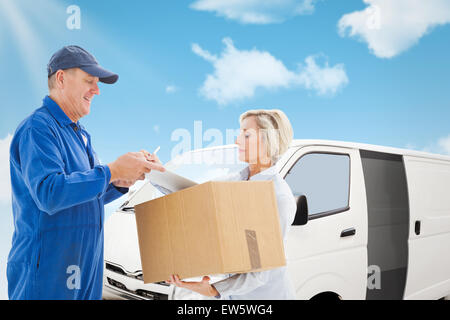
{"points": [[256, 11], [171, 89], [441, 146], [324, 80], [5, 182], [390, 27], [6, 234], [238, 73], [444, 144]]}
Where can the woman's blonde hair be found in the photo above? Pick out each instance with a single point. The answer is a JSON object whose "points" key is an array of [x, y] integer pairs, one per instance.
{"points": [[275, 129]]}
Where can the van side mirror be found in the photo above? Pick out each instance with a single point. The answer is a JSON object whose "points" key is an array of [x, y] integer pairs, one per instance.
{"points": [[301, 216]]}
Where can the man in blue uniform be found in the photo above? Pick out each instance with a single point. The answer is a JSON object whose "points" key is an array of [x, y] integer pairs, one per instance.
{"points": [[59, 187]]}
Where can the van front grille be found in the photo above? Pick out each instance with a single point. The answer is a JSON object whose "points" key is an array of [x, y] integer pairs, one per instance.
{"points": [[136, 275], [115, 269], [145, 294]]}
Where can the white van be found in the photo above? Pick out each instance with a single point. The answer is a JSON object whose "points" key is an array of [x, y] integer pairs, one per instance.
{"points": [[372, 222]]}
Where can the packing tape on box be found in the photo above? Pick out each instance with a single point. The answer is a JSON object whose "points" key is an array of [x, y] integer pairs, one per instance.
{"points": [[253, 251]]}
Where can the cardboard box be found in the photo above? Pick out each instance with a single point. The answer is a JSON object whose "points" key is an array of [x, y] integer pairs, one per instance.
{"points": [[211, 228]]}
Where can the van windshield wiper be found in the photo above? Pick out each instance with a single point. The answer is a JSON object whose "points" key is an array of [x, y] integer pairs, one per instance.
{"points": [[124, 207]]}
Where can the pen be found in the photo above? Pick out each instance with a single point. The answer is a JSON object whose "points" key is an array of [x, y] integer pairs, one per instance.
{"points": [[154, 153]]}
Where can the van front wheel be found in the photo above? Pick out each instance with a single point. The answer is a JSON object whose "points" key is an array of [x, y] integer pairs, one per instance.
{"points": [[326, 296]]}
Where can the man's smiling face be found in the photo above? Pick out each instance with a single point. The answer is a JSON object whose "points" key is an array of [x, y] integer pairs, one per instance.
{"points": [[79, 91]]}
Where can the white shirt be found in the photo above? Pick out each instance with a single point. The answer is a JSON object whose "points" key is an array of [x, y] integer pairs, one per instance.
{"points": [[271, 284]]}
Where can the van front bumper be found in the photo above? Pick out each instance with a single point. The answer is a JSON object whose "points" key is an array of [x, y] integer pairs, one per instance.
{"points": [[118, 285]]}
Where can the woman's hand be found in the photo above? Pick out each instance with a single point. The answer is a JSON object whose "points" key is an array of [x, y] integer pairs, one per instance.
{"points": [[203, 287]]}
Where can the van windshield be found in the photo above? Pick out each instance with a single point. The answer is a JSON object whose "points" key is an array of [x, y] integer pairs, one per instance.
{"points": [[205, 165], [199, 166]]}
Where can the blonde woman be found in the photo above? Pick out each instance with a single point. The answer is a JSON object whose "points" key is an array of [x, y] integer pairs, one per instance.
{"points": [[265, 135]]}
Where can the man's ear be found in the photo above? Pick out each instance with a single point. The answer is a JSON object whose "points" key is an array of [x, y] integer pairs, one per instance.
{"points": [[60, 77]]}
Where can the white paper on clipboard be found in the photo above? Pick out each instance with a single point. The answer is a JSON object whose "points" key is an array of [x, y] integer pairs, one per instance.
{"points": [[169, 181]]}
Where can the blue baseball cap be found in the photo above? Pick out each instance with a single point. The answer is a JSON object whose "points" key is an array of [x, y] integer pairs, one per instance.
{"points": [[76, 57]]}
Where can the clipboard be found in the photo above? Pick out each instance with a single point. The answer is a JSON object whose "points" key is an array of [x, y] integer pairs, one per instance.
{"points": [[169, 181]]}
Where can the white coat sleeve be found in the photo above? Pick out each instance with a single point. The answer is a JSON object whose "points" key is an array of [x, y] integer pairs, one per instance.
{"points": [[241, 284]]}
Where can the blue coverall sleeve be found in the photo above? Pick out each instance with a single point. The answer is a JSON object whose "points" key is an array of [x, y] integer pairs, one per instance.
{"points": [[112, 193], [43, 171]]}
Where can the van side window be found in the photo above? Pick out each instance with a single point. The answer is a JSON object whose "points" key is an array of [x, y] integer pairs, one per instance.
{"points": [[325, 181]]}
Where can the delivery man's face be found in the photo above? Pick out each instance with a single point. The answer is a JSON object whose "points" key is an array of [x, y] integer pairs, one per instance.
{"points": [[79, 91], [249, 141]]}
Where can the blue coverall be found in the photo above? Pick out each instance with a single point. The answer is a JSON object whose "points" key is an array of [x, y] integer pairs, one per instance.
{"points": [[59, 190]]}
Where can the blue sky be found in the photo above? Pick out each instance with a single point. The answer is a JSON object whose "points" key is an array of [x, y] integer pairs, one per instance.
{"points": [[386, 85]]}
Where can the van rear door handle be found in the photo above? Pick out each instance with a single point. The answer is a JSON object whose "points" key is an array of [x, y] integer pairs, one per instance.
{"points": [[417, 227], [348, 232]]}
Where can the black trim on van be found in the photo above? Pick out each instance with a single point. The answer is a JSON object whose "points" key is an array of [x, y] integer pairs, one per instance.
{"points": [[328, 213], [385, 173], [380, 155]]}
